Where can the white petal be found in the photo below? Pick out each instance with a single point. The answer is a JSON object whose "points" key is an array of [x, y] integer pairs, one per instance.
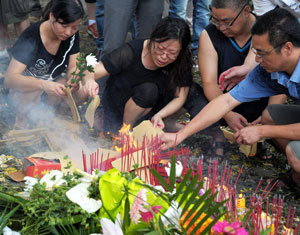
{"points": [[160, 188], [90, 205], [29, 182], [179, 168], [173, 214], [109, 228], [51, 178], [79, 195], [8, 231], [60, 182], [91, 60]]}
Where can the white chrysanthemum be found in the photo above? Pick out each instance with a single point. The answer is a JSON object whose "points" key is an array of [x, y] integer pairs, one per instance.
{"points": [[29, 182], [91, 60], [53, 178]]}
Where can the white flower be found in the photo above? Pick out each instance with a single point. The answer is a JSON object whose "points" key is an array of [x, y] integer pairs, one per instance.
{"points": [[91, 60], [110, 228], [178, 168], [79, 195], [29, 182], [8, 231], [53, 178], [173, 214], [159, 188]]}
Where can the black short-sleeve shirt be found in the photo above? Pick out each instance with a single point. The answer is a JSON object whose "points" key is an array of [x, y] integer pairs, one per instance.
{"points": [[30, 50]]}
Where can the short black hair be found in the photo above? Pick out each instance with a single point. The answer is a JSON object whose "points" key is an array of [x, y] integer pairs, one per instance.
{"points": [[67, 11], [281, 27], [236, 4]]}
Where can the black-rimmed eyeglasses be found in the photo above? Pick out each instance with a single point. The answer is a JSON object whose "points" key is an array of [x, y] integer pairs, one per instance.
{"points": [[226, 25]]}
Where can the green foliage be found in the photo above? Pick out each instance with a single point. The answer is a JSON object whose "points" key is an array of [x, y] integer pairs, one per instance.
{"points": [[187, 194], [5, 216], [81, 67], [47, 211]]}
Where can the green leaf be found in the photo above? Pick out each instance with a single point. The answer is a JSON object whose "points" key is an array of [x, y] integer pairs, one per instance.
{"points": [[161, 227], [203, 208], [126, 222], [14, 199], [192, 197], [172, 178], [266, 232], [5, 217], [152, 233], [183, 183], [189, 189], [209, 213], [245, 218], [208, 228], [161, 180]]}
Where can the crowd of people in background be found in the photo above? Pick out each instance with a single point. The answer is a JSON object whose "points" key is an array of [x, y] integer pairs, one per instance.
{"points": [[248, 55]]}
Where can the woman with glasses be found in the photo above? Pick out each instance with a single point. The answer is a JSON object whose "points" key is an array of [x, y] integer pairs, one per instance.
{"points": [[40, 56], [148, 78], [225, 43]]}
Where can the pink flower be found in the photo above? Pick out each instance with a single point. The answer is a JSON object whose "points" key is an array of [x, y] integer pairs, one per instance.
{"points": [[148, 216], [230, 229], [138, 205]]}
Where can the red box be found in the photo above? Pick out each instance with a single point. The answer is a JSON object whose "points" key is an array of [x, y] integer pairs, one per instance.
{"points": [[39, 166], [33, 166]]}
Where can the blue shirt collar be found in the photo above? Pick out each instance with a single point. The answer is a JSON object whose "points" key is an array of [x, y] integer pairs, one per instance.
{"points": [[296, 74], [283, 75]]}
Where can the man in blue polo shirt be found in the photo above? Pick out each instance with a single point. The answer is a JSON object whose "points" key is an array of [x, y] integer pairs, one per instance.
{"points": [[276, 45]]}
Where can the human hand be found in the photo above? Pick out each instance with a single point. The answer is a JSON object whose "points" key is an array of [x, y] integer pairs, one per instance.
{"points": [[74, 86], [158, 122], [235, 121], [91, 87], [257, 121], [54, 88], [169, 140], [232, 76], [248, 135]]}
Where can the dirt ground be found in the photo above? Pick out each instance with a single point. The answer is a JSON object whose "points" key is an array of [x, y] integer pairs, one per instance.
{"points": [[267, 164]]}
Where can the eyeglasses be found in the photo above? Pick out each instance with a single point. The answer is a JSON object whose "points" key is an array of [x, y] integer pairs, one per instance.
{"points": [[261, 54], [161, 51], [226, 25]]}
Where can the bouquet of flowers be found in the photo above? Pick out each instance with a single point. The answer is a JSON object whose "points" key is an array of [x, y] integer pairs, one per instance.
{"points": [[113, 203]]}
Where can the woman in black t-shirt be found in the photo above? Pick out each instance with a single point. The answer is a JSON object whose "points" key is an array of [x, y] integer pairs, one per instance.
{"points": [[41, 55], [148, 78]]}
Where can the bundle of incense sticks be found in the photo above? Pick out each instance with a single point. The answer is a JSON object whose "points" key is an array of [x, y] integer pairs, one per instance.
{"points": [[141, 159], [148, 155]]}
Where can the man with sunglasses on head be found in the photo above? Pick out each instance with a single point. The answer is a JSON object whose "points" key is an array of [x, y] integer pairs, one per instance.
{"points": [[225, 43], [276, 46]]}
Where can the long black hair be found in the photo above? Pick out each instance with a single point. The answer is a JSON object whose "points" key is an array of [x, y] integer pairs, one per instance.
{"points": [[66, 11], [181, 68]]}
